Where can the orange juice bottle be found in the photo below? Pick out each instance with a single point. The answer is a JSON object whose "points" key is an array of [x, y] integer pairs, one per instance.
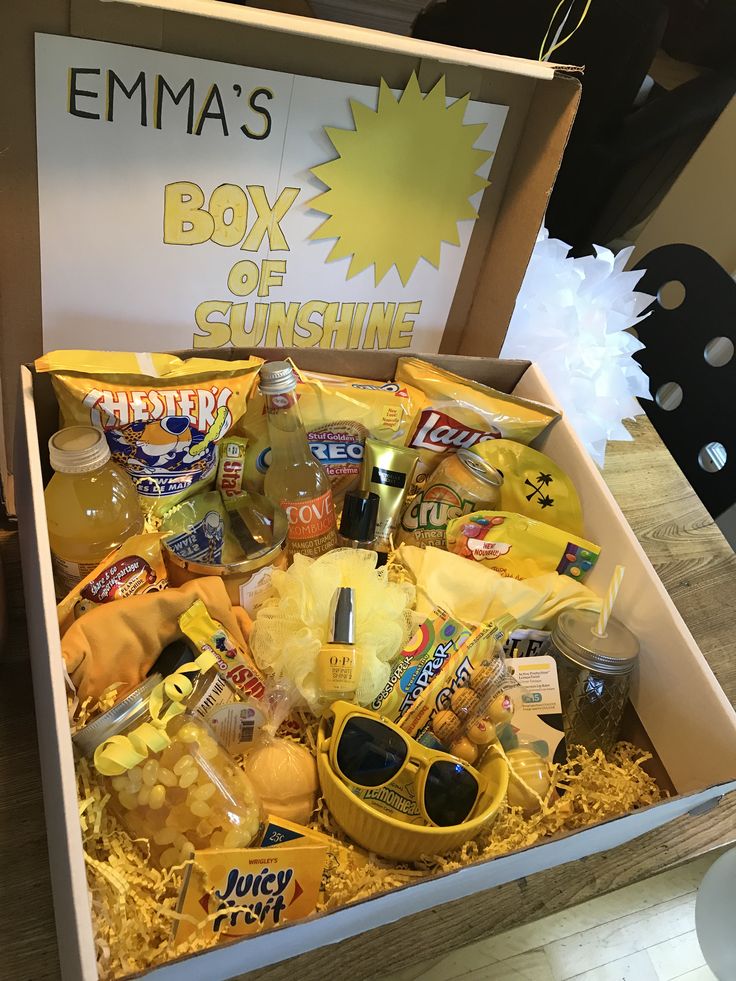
{"points": [[91, 505]]}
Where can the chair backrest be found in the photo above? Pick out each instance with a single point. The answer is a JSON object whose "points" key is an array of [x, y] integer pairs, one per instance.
{"points": [[689, 357]]}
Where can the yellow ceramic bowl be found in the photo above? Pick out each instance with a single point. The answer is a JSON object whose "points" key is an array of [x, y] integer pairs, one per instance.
{"points": [[384, 835]]}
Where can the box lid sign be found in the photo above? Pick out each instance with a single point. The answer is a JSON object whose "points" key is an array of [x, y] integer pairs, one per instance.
{"points": [[208, 204]]}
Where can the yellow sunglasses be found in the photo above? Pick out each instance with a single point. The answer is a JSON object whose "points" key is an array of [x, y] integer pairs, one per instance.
{"points": [[369, 751]]}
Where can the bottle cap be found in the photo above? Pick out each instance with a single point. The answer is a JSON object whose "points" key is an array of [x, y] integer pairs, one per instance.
{"points": [[121, 717], [359, 515], [78, 449], [276, 378], [615, 652], [342, 616]]}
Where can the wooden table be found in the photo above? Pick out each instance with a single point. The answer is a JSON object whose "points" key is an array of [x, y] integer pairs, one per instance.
{"points": [[698, 569]]}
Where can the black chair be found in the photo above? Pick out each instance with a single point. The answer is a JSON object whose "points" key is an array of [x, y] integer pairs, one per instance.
{"points": [[690, 335]]}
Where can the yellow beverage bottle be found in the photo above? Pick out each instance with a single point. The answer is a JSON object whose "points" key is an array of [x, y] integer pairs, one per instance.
{"points": [[91, 504], [295, 480]]}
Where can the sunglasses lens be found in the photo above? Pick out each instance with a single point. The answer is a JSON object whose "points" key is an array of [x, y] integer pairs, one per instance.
{"points": [[369, 753], [450, 793]]}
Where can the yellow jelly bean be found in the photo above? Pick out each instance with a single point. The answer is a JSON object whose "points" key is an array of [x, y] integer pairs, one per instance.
{"points": [[157, 797], [188, 777], [204, 791], [209, 748], [189, 733], [167, 777], [200, 808], [180, 819], [119, 783], [135, 779], [205, 829], [150, 773], [186, 849], [166, 836], [236, 838], [143, 794], [128, 801], [183, 764], [170, 857]]}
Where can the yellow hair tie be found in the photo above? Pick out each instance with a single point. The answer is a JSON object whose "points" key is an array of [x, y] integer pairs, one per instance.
{"points": [[121, 753]]}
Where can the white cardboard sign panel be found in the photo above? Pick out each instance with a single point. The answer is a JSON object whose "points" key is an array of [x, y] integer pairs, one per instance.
{"points": [[176, 204]]}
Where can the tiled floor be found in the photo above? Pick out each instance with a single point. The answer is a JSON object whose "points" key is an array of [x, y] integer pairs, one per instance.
{"points": [[644, 932]]}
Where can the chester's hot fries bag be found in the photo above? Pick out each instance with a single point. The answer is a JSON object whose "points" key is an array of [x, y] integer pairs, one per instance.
{"points": [[460, 413], [163, 417], [533, 484], [338, 414], [135, 567], [519, 547]]}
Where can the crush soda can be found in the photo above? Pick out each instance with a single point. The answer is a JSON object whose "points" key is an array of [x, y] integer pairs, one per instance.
{"points": [[462, 483]]}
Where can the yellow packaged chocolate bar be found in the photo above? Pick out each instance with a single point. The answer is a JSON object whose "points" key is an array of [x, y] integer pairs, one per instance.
{"points": [[520, 547], [459, 413], [339, 412], [135, 567], [163, 417], [533, 484]]}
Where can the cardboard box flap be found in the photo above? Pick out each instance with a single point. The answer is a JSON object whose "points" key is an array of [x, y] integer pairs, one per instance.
{"points": [[541, 104]]}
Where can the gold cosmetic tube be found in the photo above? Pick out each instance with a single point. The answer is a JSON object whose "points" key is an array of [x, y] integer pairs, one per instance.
{"points": [[388, 471]]}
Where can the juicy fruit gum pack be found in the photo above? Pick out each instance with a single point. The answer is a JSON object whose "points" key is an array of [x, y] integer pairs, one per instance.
{"points": [[163, 417], [519, 547], [338, 413], [458, 414]]}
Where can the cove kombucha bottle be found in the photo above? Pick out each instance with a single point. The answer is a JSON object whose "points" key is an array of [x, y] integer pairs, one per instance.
{"points": [[295, 480]]}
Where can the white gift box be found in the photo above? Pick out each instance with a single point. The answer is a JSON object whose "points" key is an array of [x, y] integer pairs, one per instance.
{"points": [[691, 725]]}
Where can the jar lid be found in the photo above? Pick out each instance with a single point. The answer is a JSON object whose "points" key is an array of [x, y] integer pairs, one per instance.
{"points": [[479, 468], [132, 709], [359, 515], [276, 378], [78, 449], [574, 635]]}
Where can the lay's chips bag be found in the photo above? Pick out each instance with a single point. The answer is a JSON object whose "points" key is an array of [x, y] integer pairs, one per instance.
{"points": [[533, 484], [459, 413], [338, 413], [163, 417]]}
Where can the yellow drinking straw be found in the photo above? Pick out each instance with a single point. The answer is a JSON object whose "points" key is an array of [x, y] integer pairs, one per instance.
{"points": [[615, 585]]}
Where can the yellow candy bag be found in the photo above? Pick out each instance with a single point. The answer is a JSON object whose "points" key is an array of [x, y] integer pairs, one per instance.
{"points": [[519, 547], [135, 567], [162, 416], [459, 413], [338, 413], [533, 484]]}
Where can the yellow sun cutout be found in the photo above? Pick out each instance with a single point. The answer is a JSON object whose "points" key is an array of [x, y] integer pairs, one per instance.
{"points": [[401, 182]]}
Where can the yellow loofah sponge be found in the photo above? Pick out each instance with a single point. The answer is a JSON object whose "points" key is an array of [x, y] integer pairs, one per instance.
{"points": [[291, 627]]}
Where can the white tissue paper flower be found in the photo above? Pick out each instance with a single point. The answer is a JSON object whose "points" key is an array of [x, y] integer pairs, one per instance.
{"points": [[570, 318]]}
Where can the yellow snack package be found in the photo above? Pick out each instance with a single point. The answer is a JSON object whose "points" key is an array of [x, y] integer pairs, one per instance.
{"points": [[163, 417], [520, 547], [338, 413], [135, 567], [238, 892], [459, 414], [533, 484]]}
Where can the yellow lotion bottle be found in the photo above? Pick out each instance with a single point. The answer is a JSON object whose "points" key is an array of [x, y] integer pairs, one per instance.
{"points": [[337, 662]]}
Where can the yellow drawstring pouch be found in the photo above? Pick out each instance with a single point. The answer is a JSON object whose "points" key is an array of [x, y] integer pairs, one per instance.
{"points": [[533, 484], [163, 417], [520, 547], [474, 594]]}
